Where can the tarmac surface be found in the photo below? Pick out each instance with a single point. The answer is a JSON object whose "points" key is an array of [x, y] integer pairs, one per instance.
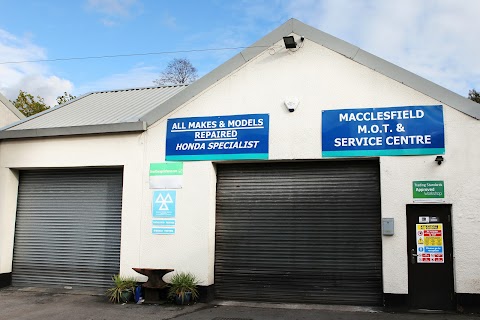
{"points": [[46, 304]]}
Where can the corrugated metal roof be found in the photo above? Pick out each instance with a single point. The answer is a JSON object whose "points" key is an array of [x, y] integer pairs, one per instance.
{"points": [[98, 108]]}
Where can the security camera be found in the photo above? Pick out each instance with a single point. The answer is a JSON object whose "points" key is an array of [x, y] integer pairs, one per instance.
{"points": [[291, 103]]}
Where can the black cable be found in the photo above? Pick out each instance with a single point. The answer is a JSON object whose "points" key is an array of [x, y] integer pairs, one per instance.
{"points": [[129, 55]]}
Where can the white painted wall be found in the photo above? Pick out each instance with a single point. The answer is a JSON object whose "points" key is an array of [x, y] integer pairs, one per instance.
{"points": [[322, 80]]}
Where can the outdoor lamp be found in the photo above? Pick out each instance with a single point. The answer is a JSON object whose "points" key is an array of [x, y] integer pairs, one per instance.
{"points": [[289, 42], [439, 160]]}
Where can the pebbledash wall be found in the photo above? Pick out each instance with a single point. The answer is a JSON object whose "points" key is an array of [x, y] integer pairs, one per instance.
{"points": [[322, 80]]}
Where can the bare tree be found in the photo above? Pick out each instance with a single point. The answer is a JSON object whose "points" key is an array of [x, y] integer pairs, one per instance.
{"points": [[178, 71]]}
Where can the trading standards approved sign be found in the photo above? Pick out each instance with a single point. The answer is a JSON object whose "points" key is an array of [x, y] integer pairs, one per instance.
{"points": [[428, 190], [430, 243], [166, 175]]}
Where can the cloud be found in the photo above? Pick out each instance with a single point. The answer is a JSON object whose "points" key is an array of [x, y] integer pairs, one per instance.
{"points": [[169, 21], [136, 77], [33, 77], [47, 87], [434, 39], [108, 22], [116, 8]]}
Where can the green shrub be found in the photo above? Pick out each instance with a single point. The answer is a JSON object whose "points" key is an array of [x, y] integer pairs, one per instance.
{"points": [[181, 283], [121, 285]]}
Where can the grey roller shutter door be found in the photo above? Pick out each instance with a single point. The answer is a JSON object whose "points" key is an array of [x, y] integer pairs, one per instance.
{"points": [[305, 232], [67, 229]]}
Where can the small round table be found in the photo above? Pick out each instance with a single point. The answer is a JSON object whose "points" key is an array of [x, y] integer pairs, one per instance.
{"points": [[155, 277]]}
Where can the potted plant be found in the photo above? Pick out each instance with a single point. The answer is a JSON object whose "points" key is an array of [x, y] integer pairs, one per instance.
{"points": [[122, 290], [183, 288]]}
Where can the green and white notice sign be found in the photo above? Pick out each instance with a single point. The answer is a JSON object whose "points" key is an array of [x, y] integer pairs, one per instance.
{"points": [[425, 190], [166, 175]]}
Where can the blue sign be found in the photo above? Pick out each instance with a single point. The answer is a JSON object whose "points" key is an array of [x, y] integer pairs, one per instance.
{"points": [[434, 249], [163, 230], [394, 131], [163, 222], [218, 138], [163, 204]]}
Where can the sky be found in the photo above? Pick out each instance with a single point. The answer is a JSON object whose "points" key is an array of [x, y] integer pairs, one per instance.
{"points": [[436, 39]]}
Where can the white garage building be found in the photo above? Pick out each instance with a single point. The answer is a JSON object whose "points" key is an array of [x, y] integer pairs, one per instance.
{"points": [[314, 174]]}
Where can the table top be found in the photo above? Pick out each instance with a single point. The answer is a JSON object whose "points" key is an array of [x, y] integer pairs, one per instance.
{"points": [[153, 269]]}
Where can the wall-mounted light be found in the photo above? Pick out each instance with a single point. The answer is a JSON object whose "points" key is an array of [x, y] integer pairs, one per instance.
{"points": [[289, 42], [439, 160]]}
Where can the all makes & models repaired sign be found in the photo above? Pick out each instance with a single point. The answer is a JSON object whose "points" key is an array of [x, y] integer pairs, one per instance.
{"points": [[218, 138], [412, 130]]}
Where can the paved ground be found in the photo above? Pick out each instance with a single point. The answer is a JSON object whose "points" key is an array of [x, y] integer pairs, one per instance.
{"points": [[256, 313], [34, 303], [30, 303]]}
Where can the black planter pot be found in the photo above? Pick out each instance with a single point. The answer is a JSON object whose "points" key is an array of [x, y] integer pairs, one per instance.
{"points": [[126, 296], [184, 299]]}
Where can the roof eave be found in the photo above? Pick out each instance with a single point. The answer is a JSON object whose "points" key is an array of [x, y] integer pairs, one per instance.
{"points": [[125, 127]]}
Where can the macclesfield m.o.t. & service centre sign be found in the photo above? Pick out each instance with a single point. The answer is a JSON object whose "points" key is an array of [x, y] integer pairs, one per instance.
{"points": [[411, 130]]}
